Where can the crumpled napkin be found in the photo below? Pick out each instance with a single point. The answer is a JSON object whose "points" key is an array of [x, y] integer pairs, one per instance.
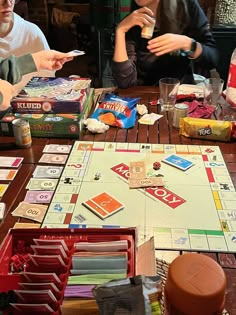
{"points": [[95, 126], [199, 110]]}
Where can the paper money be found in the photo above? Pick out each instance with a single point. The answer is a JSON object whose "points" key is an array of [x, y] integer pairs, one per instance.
{"points": [[146, 182], [30, 211], [137, 170], [42, 184]]}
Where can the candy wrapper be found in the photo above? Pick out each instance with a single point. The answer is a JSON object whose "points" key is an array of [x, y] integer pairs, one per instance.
{"points": [[117, 111], [205, 129]]}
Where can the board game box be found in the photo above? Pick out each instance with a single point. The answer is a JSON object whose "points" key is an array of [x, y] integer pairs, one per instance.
{"points": [[43, 95], [51, 125]]}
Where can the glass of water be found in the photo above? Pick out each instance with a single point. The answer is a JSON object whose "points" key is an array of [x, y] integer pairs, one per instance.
{"points": [[168, 93]]}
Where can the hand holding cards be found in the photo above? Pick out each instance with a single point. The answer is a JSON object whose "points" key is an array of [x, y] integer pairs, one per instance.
{"points": [[178, 162]]}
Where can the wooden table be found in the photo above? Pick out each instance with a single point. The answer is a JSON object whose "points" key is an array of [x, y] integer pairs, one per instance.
{"points": [[161, 132]]}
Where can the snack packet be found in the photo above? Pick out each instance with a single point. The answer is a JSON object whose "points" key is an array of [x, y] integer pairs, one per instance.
{"points": [[139, 295], [117, 111], [205, 129]]}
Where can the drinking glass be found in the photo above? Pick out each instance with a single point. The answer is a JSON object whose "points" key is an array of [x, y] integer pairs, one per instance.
{"points": [[168, 92], [213, 88]]}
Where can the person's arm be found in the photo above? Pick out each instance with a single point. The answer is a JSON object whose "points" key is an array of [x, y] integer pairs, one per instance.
{"points": [[13, 68], [6, 93], [125, 72], [124, 58], [200, 31]]}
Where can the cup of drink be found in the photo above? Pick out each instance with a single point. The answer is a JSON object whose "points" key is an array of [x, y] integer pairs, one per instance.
{"points": [[147, 30], [168, 93], [213, 88]]}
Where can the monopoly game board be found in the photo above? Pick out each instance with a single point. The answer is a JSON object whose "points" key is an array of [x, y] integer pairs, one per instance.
{"points": [[195, 210]]}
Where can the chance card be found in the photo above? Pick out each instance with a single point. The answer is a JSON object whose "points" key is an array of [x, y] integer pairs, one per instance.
{"points": [[178, 162], [103, 205]]}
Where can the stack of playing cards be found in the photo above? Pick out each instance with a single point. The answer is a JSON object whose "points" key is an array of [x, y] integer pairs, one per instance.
{"points": [[103, 205]]}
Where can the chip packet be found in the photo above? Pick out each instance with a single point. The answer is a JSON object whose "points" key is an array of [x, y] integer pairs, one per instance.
{"points": [[138, 295], [117, 111]]}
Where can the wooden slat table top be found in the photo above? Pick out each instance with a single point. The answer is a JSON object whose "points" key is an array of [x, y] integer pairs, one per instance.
{"points": [[161, 132]]}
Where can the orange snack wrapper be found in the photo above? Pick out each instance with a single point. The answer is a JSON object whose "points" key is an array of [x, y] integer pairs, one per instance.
{"points": [[205, 129]]}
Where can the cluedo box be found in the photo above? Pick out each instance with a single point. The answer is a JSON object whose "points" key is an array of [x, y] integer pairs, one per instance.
{"points": [[43, 95], [51, 125]]}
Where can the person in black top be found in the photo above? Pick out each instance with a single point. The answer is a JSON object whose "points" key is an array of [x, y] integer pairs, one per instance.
{"points": [[181, 42]]}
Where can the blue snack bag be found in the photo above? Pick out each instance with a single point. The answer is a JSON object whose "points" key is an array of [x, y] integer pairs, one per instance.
{"points": [[117, 111]]}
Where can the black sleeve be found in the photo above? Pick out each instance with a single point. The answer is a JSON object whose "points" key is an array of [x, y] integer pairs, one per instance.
{"points": [[125, 72], [199, 30]]}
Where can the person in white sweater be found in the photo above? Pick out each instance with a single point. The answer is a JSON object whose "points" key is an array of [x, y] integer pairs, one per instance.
{"points": [[19, 37]]}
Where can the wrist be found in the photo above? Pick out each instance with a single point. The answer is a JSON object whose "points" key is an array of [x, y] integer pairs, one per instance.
{"points": [[120, 32], [187, 44], [191, 49]]}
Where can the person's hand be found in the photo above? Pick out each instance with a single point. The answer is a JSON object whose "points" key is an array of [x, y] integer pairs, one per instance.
{"points": [[140, 17], [8, 91], [50, 59], [167, 43]]}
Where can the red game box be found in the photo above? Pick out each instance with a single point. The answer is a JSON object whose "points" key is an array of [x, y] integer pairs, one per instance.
{"points": [[16, 268]]}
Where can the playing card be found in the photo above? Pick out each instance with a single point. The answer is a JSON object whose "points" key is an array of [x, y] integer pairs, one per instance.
{"points": [[8, 161], [178, 162], [38, 196], [46, 242], [103, 205], [29, 296], [57, 148], [51, 262], [42, 277], [53, 158], [30, 211], [75, 53], [49, 250], [32, 308], [42, 184], [6, 174], [47, 171]]}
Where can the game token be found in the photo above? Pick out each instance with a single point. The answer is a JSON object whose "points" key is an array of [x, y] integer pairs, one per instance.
{"points": [[156, 165], [97, 176]]}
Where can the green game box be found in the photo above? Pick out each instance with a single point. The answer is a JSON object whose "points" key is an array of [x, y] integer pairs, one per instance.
{"points": [[52, 96], [51, 125]]}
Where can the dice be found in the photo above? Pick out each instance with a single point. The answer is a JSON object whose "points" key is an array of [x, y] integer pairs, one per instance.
{"points": [[156, 166]]}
